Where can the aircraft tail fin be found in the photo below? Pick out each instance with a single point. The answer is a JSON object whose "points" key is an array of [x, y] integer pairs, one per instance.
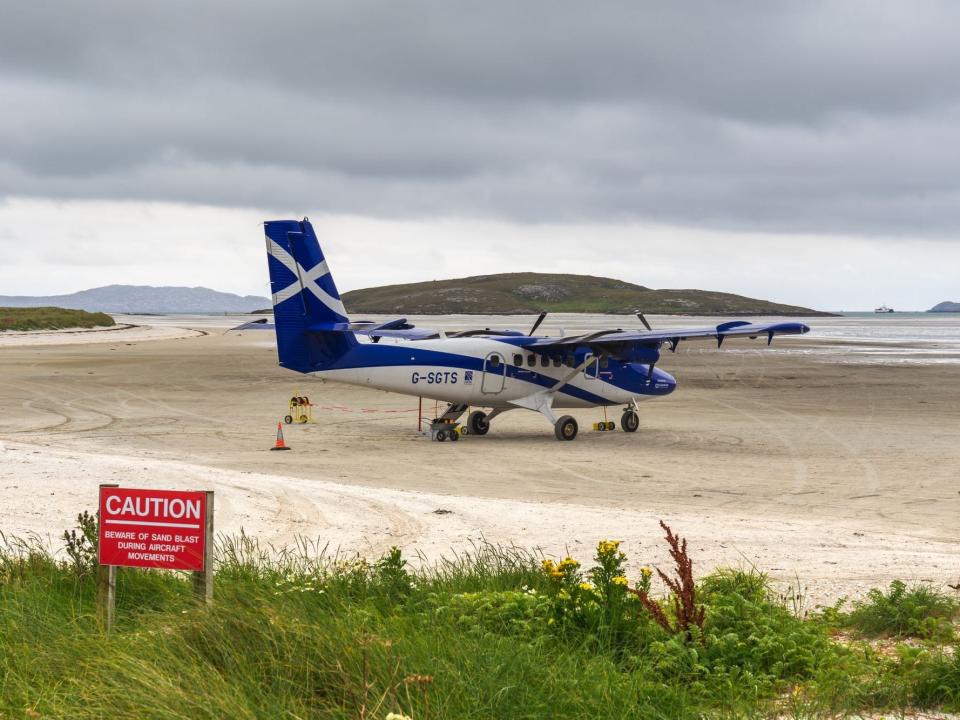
{"points": [[304, 297]]}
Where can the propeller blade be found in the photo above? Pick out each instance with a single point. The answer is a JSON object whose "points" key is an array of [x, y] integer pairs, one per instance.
{"points": [[643, 319], [650, 371], [540, 319]]}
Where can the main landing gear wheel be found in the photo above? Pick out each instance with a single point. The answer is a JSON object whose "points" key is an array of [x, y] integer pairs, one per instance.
{"points": [[477, 423], [630, 421], [566, 428]]}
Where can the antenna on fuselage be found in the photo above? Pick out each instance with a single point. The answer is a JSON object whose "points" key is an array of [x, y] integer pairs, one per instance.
{"points": [[643, 319]]}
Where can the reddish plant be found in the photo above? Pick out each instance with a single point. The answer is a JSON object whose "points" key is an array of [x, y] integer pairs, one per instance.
{"points": [[688, 613]]}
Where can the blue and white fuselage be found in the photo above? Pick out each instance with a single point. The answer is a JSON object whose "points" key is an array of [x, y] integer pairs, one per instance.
{"points": [[487, 372], [496, 369]]}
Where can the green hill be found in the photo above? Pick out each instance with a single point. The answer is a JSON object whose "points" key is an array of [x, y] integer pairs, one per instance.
{"points": [[524, 293], [50, 318]]}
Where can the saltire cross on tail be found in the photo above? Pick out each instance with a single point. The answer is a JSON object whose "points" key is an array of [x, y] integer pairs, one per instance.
{"points": [[497, 369]]}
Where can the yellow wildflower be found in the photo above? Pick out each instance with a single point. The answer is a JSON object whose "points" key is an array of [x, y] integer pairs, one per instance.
{"points": [[568, 562], [548, 566], [646, 572], [608, 547], [586, 586], [619, 580]]}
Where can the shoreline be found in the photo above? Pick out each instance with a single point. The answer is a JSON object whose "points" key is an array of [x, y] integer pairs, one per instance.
{"points": [[83, 336]]}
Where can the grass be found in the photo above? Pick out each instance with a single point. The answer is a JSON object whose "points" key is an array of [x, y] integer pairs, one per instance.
{"points": [[918, 611], [51, 318], [493, 633]]}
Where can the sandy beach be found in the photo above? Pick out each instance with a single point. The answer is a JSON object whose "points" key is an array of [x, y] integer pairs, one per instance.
{"points": [[838, 476]]}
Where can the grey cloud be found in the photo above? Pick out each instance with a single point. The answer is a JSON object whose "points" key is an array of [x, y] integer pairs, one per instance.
{"points": [[805, 116]]}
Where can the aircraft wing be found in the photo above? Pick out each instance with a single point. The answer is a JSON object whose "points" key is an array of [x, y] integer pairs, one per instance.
{"points": [[656, 338]]}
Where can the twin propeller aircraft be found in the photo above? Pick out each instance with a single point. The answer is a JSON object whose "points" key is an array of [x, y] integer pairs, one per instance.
{"points": [[496, 369]]}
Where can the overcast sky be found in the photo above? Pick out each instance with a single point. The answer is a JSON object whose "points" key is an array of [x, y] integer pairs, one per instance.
{"points": [[807, 152]]}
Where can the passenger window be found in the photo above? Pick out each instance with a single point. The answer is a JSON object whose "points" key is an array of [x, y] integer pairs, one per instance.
{"points": [[544, 361], [557, 361], [532, 360], [494, 361], [604, 362], [570, 361], [518, 360]]}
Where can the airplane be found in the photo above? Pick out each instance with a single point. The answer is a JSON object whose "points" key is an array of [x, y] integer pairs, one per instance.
{"points": [[484, 368]]}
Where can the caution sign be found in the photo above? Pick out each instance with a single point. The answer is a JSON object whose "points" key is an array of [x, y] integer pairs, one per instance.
{"points": [[152, 528]]}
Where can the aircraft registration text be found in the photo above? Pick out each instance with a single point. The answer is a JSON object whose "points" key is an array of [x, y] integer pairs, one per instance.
{"points": [[435, 378]]}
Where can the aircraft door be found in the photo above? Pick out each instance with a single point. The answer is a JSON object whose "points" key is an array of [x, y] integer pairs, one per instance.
{"points": [[494, 373], [592, 369]]}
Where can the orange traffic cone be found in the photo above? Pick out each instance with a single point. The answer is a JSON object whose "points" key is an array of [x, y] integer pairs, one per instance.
{"points": [[280, 445]]}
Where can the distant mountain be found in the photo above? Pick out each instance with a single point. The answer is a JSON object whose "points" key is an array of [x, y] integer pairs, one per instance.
{"points": [[523, 293], [136, 299], [946, 307]]}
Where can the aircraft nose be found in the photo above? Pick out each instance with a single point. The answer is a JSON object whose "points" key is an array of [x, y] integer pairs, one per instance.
{"points": [[663, 382]]}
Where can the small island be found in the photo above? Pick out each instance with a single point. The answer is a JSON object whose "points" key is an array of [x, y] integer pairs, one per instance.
{"points": [[50, 318], [946, 306], [529, 293]]}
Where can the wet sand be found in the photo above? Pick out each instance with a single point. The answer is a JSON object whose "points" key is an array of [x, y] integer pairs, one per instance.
{"points": [[844, 476]]}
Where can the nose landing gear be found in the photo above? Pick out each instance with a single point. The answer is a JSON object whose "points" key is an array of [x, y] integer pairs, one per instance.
{"points": [[630, 421]]}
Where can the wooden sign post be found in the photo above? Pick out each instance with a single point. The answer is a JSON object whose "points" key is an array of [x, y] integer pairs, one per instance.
{"points": [[106, 586], [203, 579], [162, 529]]}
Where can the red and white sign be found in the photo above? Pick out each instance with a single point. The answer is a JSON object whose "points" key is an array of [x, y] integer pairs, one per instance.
{"points": [[152, 528]]}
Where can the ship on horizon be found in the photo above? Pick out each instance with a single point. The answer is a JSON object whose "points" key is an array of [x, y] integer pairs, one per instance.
{"points": [[883, 309]]}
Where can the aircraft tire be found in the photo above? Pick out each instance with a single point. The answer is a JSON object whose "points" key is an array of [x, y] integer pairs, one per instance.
{"points": [[477, 423], [566, 428], [630, 421], [454, 435]]}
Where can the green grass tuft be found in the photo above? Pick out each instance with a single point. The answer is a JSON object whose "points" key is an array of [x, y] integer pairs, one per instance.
{"points": [[918, 611]]}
